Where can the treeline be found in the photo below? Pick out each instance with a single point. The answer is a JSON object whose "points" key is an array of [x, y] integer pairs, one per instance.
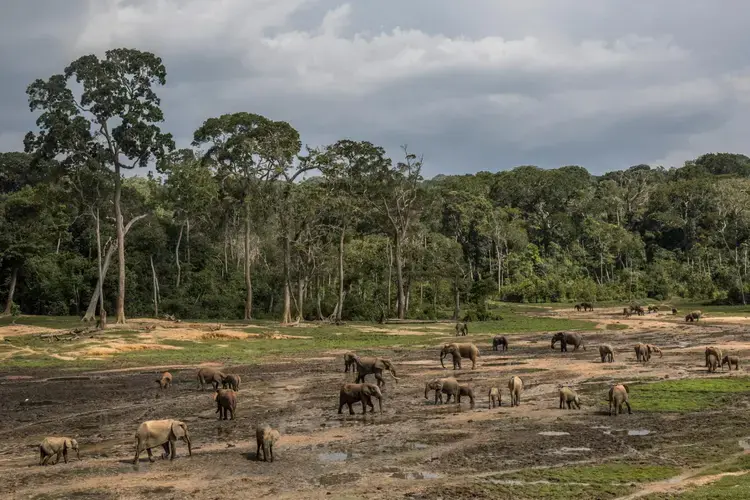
{"points": [[247, 223]]}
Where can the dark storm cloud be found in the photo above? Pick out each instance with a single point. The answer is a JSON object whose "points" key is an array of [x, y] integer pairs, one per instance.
{"points": [[605, 84]]}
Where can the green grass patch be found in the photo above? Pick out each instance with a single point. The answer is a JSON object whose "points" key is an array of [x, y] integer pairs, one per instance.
{"points": [[616, 326], [687, 395], [492, 491], [741, 463], [597, 474], [726, 488]]}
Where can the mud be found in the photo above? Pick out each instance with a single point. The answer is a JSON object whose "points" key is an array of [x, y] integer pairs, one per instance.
{"points": [[413, 448]]}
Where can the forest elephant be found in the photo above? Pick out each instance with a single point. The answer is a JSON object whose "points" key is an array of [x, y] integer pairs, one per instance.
{"points": [[606, 353], [265, 438], [356, 393], [56, 446], [231, 381], [209, 376], [515, 387], [587, 306], [373, 366], [653, 309], [641, 353], [618, 396], [448, 386], [626, 312], [577, 307], [569, 397], [652, 348], [458, 351], [466, 390], [674, 311], [462, 329], [730, 360], [349, 361], [494, 396], [165, 381], [693, 316], [713, 363], [226, 402], [713, 351], [564, 338], [499, 340], [165, 433]]}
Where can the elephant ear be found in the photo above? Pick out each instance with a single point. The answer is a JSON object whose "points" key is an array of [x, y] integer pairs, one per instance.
{"points": [[178, 429], [626, 388]]}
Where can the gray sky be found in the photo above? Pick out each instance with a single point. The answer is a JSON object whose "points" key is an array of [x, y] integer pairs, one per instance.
{"points": [[473, 85]]}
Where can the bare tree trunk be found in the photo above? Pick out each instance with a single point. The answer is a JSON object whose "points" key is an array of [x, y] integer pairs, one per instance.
{"points": [[317, 298], [457, 305], [91, 310], [436, 286], [120, 247], [100, 281], [248, 277], [270, 306], [300, 298], [57, 249], [390, 277], [287, 314], [177, 256], [499, 267], [226, 249], [11, 290], [155, 281], [187, 229], [340, 307], [400, 277]]}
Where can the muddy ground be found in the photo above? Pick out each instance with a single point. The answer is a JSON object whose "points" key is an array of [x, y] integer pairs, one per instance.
{"points": [[414, 449]]}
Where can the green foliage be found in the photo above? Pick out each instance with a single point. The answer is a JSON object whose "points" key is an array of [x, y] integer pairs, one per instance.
{"points": [[596, 474], [726, 488]]}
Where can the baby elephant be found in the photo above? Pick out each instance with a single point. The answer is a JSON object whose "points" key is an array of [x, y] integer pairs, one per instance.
{"points": [[731, 360], [618, 396], [232, 381], [494, 395], [568, 396], [226, 401], [499, 340], [57, 446], [165, 381], [606, 353], [466, 390], [265, 437]]}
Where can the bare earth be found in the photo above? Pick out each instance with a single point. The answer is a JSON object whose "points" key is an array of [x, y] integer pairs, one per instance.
{"points": [[412, 450]]}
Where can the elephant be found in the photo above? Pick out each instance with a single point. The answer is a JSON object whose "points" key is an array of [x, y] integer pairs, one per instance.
{"points": [[715, 351], [515, 386], [568, 396], [567, 338], [165, 380], [619, 395], [652, 348], [674, 311], [693, 316], [209, 375], [152, 433], [57, 446], [458, 351], [731, 360], [462, 329], [374, 366], [226, 401], [354, 393], [349, 361], [713, 363], [654, 309], [641, 352], [466, 390], [607, 353], [577, 307], [587, 306], [448, 386], [231, 380], [494, 395], [626, 312], [265, 438], [634, 307], [499, 340], [639, 311]]}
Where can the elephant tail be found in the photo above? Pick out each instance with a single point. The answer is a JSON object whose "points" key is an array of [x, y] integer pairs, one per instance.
{"points": [[390, 368]]}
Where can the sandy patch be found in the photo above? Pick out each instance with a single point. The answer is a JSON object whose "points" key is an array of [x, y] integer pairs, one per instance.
{"points": [[64, 358], [10, 330], [112, 348]]}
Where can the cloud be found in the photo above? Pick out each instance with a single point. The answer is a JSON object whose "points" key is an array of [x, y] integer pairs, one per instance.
{"points": [[480, 85]]}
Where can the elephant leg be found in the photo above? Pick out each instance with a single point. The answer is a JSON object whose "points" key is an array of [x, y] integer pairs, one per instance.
{"points": [[166, 450], [172, 450], [232, 410], [379, 378], [628, 405], [57, 457], [351, 410], [137, 453], [65, 455], [473, 362], [45, 459], [150, 455], [610, 408], [270, 448]]}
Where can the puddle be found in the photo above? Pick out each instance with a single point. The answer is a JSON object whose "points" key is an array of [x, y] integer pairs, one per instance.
{"points": [[554, 433], [415, 475], [639, 432], [335, 456]]}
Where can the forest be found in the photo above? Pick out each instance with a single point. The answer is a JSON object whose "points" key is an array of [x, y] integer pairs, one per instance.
{"points": [[102, 211]]}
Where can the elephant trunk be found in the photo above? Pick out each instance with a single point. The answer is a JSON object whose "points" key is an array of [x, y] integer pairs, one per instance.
{"points": [[553, 344], [442, 355], [380, 403], [190, 448], [426, 388]]}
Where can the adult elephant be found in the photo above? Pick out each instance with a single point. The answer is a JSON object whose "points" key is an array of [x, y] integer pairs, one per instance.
{"points": [[642, 353], [499, 340], [447, 385], [564, 338], [458, 351], [355, 393], [152, 433], [373, 366]]}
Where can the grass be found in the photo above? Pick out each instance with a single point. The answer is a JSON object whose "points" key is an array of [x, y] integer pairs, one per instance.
{"points": [[616, 326], [597, 474], [530, 492], [687, 395], [726, 488], [741, 463]]}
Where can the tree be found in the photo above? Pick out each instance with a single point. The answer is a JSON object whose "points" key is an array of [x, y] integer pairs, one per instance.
{"points": [[111, 123]]}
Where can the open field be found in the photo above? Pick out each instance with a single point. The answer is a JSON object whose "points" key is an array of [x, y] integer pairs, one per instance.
{"points": [[688, 436]]}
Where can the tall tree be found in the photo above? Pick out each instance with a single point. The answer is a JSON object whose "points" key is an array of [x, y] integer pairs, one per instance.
{"points": [[111, 122]]}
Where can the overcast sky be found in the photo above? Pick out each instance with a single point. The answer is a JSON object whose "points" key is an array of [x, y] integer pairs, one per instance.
{"points": [[473, 85]]}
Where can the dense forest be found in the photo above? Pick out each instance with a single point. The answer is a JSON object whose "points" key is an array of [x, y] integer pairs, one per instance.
{"points": [[246, 223]]}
